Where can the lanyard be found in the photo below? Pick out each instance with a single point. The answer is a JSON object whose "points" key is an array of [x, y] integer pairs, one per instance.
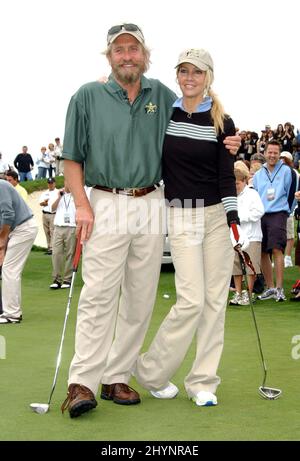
{"points": [[267, 173], [67, 205]]}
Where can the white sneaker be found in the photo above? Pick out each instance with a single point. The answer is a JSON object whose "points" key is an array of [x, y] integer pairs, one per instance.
{"points": [[288, 261], [168, 392], [236, 298], [65, 285], [205, 399]]}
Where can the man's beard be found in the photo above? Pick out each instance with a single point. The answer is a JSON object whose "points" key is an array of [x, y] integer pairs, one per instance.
{"points": [[128, 77]]}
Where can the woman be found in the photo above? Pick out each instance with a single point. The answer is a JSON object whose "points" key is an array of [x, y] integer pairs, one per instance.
{"points": [[200, 189], [43, 163]]}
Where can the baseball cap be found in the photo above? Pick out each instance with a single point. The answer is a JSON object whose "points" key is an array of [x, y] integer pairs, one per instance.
{"points": [[125, 28], [197, 56], [50, 180], [286, 154]]}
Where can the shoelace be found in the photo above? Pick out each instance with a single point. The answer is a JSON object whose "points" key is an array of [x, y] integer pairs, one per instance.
{"points": [[74, 390], [125, 387]]}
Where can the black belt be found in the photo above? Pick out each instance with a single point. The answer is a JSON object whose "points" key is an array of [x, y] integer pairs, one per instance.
{"points": [[47, 212], [133, 192]]}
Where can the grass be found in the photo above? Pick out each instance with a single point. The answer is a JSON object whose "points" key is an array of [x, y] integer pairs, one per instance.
{"points": [[41, 184], [31, 349]]}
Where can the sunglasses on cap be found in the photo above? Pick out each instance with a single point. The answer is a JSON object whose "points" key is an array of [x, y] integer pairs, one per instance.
{"points": [[129, 27]]}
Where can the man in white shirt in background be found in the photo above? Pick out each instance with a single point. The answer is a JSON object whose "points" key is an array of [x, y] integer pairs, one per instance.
{"points": [[47, 197], [59, 163], [64, 239]]}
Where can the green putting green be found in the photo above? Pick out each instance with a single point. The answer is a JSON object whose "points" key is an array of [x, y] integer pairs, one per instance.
{"points": [[31, 348]]}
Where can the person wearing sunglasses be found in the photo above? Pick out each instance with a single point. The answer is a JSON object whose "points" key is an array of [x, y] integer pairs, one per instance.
{"points": [[113, 142]]}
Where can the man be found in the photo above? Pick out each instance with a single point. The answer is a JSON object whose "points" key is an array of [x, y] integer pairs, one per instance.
{"points": [[13, 178], [64, 239], [116, 130], [4, 167], [273, 183], [17, 233], [24, 164], [46, 198], [59, 163]]}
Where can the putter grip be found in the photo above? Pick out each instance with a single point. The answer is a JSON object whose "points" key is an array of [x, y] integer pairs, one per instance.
{"points": [[77, 253], [235, 231]]}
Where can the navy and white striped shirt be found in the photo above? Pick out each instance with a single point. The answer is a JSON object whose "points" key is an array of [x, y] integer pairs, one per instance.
{"points": [[196, 164]]}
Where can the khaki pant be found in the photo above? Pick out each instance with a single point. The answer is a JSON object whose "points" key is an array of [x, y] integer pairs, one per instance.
{"points": [[48, 225], [19, 245], [59, 167], [120, 271], [203, 256], [63, 248]]}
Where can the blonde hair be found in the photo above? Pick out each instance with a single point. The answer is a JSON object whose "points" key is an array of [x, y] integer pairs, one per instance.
{"points": [[217, 111], [241, 175], [241, 168]]}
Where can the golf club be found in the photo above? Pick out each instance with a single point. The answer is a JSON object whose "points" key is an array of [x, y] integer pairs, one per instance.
{"points": [[42, 408], [269, 393]]}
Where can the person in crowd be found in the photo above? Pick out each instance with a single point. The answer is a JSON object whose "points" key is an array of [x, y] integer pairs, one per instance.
{"points": [[257, 158], [296, 286], [250, 211], [64, 238], [261, 143], [269, 133], [250, 144], [279, 133], [13, 178], [24, 164], [243, 148], [4, 167], [45, 201], [52, 160], [287, 137], [18, 230], [254, 167], [125, 172], [201, 193], [43, 163], [59, 163], [274, 185], [287, 158]]}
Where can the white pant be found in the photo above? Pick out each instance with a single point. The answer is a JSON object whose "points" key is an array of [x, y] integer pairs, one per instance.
{"points": [[120, 273], [19, 245], [203, 256]]}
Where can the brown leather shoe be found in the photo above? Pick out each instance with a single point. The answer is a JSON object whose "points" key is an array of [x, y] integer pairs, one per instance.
{"points": [[80, 399], [120, 393]]}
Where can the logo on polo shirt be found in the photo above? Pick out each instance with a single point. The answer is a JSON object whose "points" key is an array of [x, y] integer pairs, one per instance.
{"points": [[151, 108]]}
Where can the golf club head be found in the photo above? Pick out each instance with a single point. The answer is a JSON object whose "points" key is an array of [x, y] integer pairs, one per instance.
{"points": [[270, 393], [40, 408]]}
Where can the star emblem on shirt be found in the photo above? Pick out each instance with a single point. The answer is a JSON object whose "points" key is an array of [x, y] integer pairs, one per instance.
{"points": [[151, 108]]}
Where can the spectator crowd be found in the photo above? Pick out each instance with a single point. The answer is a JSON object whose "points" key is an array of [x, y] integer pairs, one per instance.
{"points": [[267, 180]]}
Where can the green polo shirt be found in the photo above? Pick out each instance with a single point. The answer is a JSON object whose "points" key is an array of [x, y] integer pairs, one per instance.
{"points": [[119, 144]]}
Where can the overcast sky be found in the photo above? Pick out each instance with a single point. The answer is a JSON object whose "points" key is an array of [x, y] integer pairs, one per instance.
{"points": [[49, 48]]}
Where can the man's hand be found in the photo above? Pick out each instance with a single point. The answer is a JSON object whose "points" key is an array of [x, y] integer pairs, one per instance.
{"points": [[232, 143], [84, 222]]}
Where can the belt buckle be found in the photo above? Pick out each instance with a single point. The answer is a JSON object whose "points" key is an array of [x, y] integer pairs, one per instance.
{"points": [[127, 191]]}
